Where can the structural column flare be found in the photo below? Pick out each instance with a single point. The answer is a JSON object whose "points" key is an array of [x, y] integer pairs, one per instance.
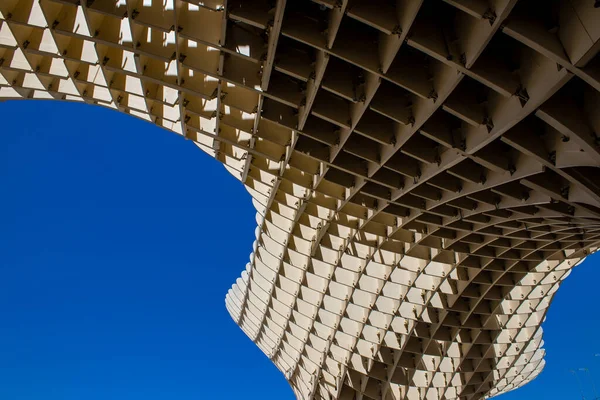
{"points": [[425, 172]]}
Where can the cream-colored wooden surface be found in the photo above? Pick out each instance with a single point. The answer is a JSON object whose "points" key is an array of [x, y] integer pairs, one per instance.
{"points": [[425, 173]]}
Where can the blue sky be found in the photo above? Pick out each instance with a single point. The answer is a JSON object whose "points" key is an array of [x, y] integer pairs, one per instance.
{"points": [[118, 242]]}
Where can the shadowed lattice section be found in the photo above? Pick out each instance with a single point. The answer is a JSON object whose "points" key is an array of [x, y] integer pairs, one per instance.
{"points": [[425, 173]]}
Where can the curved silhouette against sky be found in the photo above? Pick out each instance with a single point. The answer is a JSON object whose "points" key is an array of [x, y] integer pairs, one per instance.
{"points": [[118, 242]]}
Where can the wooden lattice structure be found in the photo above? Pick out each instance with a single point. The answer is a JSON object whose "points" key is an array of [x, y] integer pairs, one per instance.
{"points": [[425, 173]]}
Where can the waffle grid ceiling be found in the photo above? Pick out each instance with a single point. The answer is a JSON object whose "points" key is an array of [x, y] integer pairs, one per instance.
{"points": [[425, 173]]}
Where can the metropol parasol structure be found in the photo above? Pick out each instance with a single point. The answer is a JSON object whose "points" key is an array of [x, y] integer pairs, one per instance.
{"points": [[425, 173]]}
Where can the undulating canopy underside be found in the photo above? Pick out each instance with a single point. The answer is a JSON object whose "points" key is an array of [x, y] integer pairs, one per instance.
{"points": [[425, 172]]}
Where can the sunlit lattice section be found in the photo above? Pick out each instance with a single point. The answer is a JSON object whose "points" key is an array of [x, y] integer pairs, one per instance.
{"points": [[425, 173]]}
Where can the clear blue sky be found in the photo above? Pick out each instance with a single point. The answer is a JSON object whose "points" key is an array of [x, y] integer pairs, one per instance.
{"points": [[118, 242]]}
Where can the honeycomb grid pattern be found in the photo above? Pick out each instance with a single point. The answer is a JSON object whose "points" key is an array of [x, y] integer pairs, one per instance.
{"points": [[425, 172]]}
